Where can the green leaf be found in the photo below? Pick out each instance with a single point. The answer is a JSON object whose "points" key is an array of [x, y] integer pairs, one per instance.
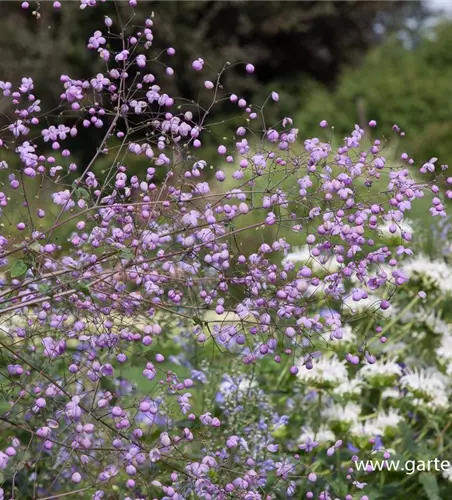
{"points": [[85, 289], [409, 439], [82, 193], [430, 485], [18, 268], [213, 474], [35, 246], [82, 287], [126, 253], [44, 288], [198, 321]]}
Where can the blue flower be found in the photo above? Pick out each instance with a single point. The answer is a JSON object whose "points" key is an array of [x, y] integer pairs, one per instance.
{"points": [[352, 448]]}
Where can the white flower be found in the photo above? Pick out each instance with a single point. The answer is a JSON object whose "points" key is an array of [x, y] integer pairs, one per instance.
{"points": [[349, 387], [426, 381], [303, 256], [436, 273], [429, 386], [366, 429], [388, 420], [323, 435], [329, 371], [371, 304], [404, 226], [444, 351], [231, 388], [339, 413], [346, 331], [430, 319], [245, 386], [381, 370], [427, 317], [391, 349], [377, 426], [447, 474], [390, 392], [439, 400]]}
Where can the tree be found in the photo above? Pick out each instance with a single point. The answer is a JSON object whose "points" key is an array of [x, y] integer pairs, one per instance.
{"points": [[286, 40], [416, 93]]}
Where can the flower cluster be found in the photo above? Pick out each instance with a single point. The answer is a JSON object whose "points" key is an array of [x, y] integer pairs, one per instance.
{"points": [[166, 310]]}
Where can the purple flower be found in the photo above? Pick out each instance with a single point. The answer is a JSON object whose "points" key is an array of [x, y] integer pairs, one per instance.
{"points": [[52, 348], [308, 445], [198, 64]]}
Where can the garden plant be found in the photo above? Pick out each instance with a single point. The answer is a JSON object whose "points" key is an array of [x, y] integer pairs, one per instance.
{"points": [[214, 309]]}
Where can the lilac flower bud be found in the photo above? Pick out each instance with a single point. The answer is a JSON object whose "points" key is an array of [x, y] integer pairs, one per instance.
{"points": [[198, 64], [154, 455], [76, 477], [165, 440], [384, 304], [243, 207], [354, 360], [41, 403], [131, 470], [232, 442], [141, 61], [116, 411]]}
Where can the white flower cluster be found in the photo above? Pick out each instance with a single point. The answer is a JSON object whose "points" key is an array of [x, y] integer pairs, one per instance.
{"points": [[436, 274], [302, 255]]}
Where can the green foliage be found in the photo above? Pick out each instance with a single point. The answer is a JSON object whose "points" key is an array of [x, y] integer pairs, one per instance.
{"points": [[19, 268], [410, 87], [430, 485], [285, 40]]}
